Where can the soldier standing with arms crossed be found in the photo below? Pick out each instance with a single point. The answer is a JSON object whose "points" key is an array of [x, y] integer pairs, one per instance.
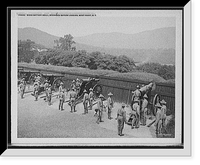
{"points": [[121, 119], [110, 105], [85, 102]]}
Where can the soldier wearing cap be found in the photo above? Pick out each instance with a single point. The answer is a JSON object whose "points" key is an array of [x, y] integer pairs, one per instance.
{"points": [[110, 105], [78, 84], [158, 117], [121, 119], [91, 98], [136, 114], [61, 100], [163, 112], [72, 98], [73, 85], [46, 84], [21, 88], [136, 95], [100, 108], [49, 94], [60, 89], [35, 87], [144, 109], [24, 83], [85, 101], [35, 90]]}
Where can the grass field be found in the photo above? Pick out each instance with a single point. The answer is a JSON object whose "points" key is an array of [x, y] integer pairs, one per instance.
{"points": [[135, 75]]}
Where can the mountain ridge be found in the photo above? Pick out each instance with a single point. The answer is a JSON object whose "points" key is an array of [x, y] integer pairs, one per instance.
{"points": [[164, 55], [150, 39]]}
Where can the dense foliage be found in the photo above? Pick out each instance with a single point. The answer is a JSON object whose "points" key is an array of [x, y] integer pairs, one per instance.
{"points": [[165, 71], [94, 60], [65, 54], [25, 53]]}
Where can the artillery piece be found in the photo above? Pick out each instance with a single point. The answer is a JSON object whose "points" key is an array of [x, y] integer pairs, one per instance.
{"points": [[147, 89], [86, 84]]}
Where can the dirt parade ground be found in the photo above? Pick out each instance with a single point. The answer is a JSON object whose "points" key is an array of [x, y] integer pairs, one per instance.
{"points": [[37, 119]]}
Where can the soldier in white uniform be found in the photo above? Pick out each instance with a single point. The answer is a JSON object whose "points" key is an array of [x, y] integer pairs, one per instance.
{"points": [[35, 90], [91, 98], [85, 101], [110, 105], [61, 100], [136, 93], [121, 119], [46, 84], [21, 88], [144, 109], [158, 118], [100, 108], [72, 98], [163, 114], [136, 114], [49, 93]]}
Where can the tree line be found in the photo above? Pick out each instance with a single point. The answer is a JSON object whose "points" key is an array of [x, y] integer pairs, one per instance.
{"points": [[81, 58], [64, 53]]}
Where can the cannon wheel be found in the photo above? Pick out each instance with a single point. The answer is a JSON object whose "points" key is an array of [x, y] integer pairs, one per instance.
{"points": [[156, 99], [97, 90], [32, 78], [56, 84]]}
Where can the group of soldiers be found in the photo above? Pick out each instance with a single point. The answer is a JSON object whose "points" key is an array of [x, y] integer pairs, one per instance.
{"points": [[139, 109], [139, 104]]}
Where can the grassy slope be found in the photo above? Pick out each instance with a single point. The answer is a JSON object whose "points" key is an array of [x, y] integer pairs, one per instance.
{"points": [[131, 75]]}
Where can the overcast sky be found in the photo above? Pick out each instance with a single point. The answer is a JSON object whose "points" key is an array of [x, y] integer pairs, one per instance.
{"points": [[128, 22]]}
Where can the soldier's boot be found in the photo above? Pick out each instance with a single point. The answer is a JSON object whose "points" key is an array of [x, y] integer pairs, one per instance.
{"points": [[97, 120], [121, 132], [101, 119], [118, 130], [59, 106]]}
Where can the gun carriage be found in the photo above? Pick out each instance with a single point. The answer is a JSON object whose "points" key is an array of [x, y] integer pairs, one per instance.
{"points": [[86, 84], [30, 76], [147, 89]]}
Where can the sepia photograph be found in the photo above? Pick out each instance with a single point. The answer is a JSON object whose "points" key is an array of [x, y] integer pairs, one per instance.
{"points": [[97, 78]]}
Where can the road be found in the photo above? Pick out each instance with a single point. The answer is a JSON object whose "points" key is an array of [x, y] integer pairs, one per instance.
{"points": [[36, 119]]}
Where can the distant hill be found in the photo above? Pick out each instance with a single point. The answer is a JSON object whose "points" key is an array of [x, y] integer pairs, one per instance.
{"points": [[152, 39], [162, 56], [149, 46], [37, 36]]}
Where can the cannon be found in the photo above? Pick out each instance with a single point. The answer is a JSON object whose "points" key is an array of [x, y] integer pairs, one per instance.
{"points": [[30, 76], [86, 84], [147, 89], [53, 79]]}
